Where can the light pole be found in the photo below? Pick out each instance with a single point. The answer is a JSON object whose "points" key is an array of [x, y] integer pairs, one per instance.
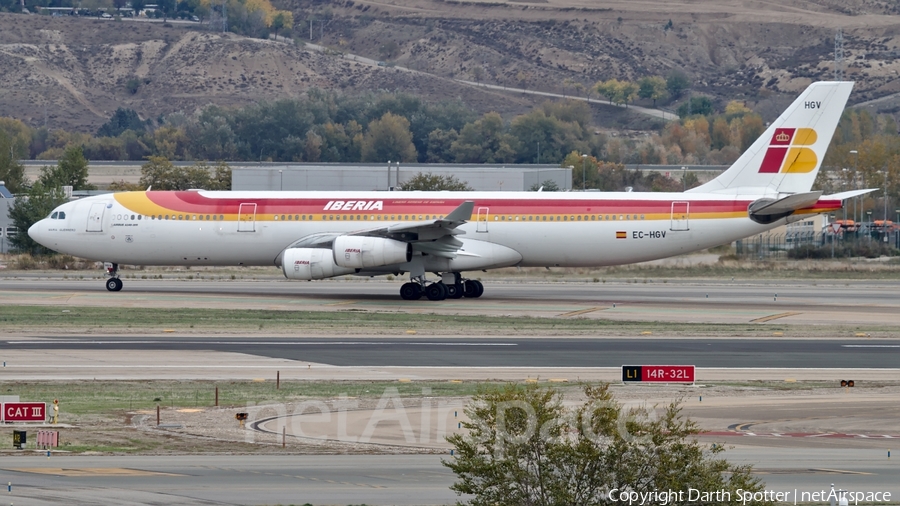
{"points": [[845, 170], [855, 187], [280, 180], [684, 179], [884, 224], [583, 173]]}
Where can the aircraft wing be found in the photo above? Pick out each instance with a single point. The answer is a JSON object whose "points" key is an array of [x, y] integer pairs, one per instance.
{"points": [[434, 237]]}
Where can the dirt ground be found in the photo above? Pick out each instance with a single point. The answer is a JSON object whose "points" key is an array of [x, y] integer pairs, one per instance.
{"points": [[70, 72]]}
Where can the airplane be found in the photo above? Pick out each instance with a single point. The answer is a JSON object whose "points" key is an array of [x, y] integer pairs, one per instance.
{"points": [[314, 235]]}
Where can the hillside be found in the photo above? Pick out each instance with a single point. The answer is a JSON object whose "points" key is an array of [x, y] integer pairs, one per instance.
{"points": [[74, 72]]}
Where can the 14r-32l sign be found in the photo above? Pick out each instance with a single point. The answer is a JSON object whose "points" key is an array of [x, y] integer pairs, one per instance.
{"points": [[658, 373]]}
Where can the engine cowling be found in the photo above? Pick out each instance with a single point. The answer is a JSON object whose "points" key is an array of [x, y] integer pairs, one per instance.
{"points": [[311, 263], [360, 252]]}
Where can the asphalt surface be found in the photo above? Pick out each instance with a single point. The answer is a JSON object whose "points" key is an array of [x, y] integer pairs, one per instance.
{"points": [[354, 479], [511, 352]]}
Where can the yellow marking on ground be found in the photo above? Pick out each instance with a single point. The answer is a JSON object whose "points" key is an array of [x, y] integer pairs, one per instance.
{"points": [[91, 471], [861, 334], [646, 333], [189, 410], [455, 381], [531, 380], [259, 380], [772, 317], [411, 332], [778, 334], [581, 312], [342, 303], [168, 331], [558, 380], [404, 380], [790, 380]]}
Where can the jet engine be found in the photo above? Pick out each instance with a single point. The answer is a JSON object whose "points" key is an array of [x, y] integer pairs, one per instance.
{"points": [[311, 263], [360, 252]]}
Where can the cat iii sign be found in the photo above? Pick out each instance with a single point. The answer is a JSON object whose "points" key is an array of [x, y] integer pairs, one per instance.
{"points": [[15, 412], [658, 373]]}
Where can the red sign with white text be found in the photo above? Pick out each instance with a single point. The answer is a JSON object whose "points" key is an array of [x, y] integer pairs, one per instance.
{"points": [[23, 412], [658, 373]]}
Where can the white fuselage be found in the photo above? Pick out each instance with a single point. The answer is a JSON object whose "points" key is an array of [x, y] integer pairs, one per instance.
{"points": [[253, 228]]}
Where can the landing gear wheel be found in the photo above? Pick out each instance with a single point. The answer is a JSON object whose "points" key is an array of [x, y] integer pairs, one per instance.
{"points": [[436, 291], [114, 284], [454, 291], [473, 288], [410, 291]]}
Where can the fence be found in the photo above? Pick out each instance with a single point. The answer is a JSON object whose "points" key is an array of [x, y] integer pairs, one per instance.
{"points": [[780, 246]]}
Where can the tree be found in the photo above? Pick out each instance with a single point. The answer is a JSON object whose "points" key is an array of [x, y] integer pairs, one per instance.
{"points": [[123, 119], [28, 210], [698, 105], [167, 7], [389, 138], [434, 182], [12, 173], [652, 88], [522, 446], [70, 170], [677, 82], [138, 6], [283, 20], [548, 185]]}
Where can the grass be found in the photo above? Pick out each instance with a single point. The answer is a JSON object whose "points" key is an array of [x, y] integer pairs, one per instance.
{"points": [[82, 398], [155, 320]]}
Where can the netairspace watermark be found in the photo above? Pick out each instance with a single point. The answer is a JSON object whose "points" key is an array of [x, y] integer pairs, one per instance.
{"points": [[693, 495], [429, 420]]}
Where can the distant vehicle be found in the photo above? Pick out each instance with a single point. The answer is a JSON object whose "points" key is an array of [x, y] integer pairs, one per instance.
{"points": [[195, 18], [106, 15], [381, 64]]}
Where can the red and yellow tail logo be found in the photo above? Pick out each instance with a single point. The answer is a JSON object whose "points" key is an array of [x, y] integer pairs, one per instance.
{"points": [[787, 154]]}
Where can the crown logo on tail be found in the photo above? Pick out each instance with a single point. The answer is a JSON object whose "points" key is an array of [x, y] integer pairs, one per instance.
{"points": [[782, 137]]}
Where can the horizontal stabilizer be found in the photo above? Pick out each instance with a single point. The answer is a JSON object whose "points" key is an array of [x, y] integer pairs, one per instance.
{"points": [[769, 207], [848, 195]]}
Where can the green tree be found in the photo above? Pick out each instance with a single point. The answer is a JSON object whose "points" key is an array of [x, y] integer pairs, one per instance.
{"points": [[389, 138], [70, 170], [157, 173], [434, 182], [548, 185], [522, 446], [283, 20], [12, 173], [121, 120], [698, 105], [652, 88], [677, 83], [28, 210]]}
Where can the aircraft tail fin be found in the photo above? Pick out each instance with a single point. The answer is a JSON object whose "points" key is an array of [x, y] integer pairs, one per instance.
{"points": [[787, 156]]}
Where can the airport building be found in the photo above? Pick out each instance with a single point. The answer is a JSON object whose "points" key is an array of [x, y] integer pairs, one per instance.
{"points": [[6, 226], [382, 177]]}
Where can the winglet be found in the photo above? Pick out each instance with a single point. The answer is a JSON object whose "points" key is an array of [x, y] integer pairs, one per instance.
{"points": [[462, 213]]}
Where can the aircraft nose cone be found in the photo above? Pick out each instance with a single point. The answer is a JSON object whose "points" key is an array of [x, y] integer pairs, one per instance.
{"points": [[38, 232]]}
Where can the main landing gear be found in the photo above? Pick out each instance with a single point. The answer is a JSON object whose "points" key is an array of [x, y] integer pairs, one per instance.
{"points": [[440, 290], [113, 284]]}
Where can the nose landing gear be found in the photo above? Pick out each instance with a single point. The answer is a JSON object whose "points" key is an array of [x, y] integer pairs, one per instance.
{"points": [[113, 284]]}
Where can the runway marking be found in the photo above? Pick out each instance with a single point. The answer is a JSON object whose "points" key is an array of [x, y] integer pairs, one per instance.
{"points": [[342, 303], [840, 471], [870, 346], [773, 317], [581, 312], [808, 471], [91, 471]]}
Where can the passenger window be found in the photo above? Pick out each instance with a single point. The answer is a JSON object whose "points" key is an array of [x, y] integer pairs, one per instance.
{"points": [[180, 216], [221, 216], [132, 216], [139, 216], [282, 217]]}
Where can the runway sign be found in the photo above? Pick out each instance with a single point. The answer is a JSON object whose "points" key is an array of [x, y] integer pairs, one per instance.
{"points": [[658, 373], [23, 412]]}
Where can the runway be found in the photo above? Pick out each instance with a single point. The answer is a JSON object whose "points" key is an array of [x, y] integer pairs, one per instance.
{"points": [[357, 479], [816, 303], [493, 352]]}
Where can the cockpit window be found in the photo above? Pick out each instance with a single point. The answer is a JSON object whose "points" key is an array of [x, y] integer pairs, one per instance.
{"points": [[323, 240], [54, 216], [62, 215]]}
